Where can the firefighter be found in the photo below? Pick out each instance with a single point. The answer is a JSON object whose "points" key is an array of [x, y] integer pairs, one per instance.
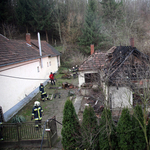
{"points": [[76, 68], [74, 72], [43, 92], [37, 112], [51, 76]]}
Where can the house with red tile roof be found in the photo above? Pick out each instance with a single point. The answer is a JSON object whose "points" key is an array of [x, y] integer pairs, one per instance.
{"points": [[88, 70], [120, 72], [24, 64]]}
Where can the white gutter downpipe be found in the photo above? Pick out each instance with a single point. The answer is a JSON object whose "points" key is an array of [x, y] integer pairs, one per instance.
{"points": [[39, 41]]}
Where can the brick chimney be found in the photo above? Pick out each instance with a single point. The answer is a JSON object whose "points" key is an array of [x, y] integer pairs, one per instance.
{"points": [[92, 49], [28, 38], [132, 42]]}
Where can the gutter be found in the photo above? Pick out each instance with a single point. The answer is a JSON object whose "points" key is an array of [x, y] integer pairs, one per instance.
{"points": [[39, 41]]}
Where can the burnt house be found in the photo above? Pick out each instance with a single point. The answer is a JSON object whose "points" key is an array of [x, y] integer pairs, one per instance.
{"points": [[122, 71]]}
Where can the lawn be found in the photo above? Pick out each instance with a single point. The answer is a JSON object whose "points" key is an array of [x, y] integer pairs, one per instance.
{"points": [[27, 110]]}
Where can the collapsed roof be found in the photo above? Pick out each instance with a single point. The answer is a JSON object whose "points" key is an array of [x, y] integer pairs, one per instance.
{"points": [[119, 64], [126, 63]]}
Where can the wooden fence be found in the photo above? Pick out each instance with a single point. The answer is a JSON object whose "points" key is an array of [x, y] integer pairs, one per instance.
{"points": [[25, 134]]}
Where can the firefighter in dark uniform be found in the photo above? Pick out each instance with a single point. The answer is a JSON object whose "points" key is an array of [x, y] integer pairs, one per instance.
{"points": [[37, 112], [74, 72], [43, 92], [76, 68]]}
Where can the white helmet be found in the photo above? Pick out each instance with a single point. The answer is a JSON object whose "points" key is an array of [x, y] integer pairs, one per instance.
{"points": [[36, 103]]}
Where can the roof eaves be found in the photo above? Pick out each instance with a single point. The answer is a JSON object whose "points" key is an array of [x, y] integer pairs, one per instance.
{"points": [[19, 61], [54, 50]]}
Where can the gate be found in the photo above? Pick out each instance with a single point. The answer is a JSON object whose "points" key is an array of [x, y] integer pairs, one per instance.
{"points": [[25, 134]]}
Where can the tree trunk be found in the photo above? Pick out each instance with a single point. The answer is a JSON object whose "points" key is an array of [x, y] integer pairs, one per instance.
{"points": [[27, 29], [10, 36], [4, 32], [59, 29], [46, 36]]}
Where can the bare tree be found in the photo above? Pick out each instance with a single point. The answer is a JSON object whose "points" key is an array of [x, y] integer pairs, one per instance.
{"points": [[129, 68]]}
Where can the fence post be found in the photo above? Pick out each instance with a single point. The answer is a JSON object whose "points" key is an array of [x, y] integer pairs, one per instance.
{"points": [[54, 131], [49, 134], [17, 125]]}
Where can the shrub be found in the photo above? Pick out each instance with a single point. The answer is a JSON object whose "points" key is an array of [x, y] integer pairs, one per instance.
{"points": [[107, 136], [148, 131], [139, 138], [77, 58], [125, 130], [18, 119], [89, 129], [71, 58], [71, 127]]}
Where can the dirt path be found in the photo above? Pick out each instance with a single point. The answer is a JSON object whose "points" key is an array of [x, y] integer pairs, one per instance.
{"points": [[51, 107], [55, 108]]}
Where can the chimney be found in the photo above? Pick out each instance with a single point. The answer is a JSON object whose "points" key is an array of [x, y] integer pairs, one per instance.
{"points": [[92, 49], [132, 42], [28, 39]]}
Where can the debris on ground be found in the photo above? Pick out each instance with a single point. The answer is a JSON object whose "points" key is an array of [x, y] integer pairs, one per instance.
{"points": [[67, 85], [55, 87], [87, 85], [71, 93], [66, 76]]}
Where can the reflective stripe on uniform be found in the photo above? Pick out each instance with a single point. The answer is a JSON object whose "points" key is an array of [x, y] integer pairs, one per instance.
{"points": [[38, 118], [39, 113], [44, 93]]}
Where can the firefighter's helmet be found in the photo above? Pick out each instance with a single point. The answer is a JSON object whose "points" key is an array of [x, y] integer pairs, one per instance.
{"points": [[36, 103]]}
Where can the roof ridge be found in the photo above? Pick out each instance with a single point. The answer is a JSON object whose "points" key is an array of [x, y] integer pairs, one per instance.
{"points": [[4, 37]]}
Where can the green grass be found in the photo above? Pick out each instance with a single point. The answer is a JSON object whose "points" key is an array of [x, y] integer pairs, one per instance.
{"points": [[27, 110], [62, 69]]}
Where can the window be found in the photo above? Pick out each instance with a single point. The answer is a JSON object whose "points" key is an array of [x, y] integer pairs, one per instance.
{"points": [[50, 63], [91, 77], [38, 69]]}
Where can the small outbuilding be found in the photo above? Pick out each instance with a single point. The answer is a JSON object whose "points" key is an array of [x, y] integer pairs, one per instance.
{"points": [[120, 72]]}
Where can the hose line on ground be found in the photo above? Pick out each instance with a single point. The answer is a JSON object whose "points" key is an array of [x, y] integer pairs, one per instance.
{"points": [[44, 129]]}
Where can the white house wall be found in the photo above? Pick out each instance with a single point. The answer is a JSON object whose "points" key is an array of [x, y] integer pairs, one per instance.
{"points": [[15, 92], [55, 63], [81, 77], [121, 97]]}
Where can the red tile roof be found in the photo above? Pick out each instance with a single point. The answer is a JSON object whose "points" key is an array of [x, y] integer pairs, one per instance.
{"points": [[94, 61], [16, 51]]}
